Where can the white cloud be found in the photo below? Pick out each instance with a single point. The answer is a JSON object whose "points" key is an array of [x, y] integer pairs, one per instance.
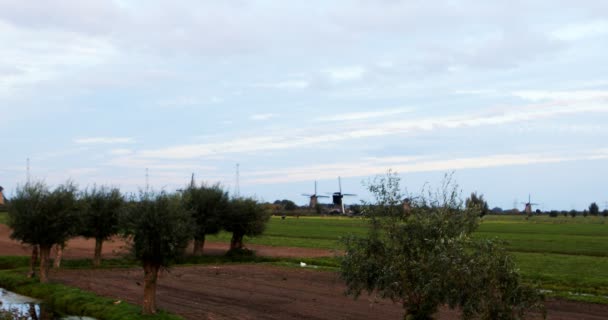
{"points": [[365, 115], [76, 172], [104, 140], [370, 167], [263, 116], [343, 74], [538, 95], [347, 131], [287, 84], [121, 152], [582, 30]]}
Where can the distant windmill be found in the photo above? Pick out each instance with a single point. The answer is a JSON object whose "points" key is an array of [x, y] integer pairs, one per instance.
{"points": [[313, 197], [337, 197], [528, 208]]}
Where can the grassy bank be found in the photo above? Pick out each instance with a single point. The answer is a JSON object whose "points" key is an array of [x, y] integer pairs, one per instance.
{"points": [[72, 301]]}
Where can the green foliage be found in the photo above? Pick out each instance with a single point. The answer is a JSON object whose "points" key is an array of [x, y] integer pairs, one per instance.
{"points": [[3, 217], [159, 226], [287, 205], [12, 262], [594, 210], [487, 271], [101, 212], [38, 216], [424, 257], [207, 204], [246, 217], [478, 203]]}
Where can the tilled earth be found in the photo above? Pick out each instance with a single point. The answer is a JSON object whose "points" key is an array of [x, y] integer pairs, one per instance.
{"points": [[266, 292]]}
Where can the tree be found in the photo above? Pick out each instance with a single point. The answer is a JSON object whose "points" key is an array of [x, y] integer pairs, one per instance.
{"points": [[246, 217], [101, 212], [287, 205], [594, 210], [160, 229], [425, 257], [43, 218], [207, 204], [477, 202], [573, 213]]}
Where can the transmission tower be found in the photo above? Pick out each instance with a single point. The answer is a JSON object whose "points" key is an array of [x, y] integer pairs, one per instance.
{"points": [[27, 171], [237, 188], [147, 181]]}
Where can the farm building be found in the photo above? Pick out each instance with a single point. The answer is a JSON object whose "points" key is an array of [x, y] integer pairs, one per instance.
{"points": [[1, 196]]}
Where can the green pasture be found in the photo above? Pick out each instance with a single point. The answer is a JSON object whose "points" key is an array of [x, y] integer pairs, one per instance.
{"points": [[568, 256]]}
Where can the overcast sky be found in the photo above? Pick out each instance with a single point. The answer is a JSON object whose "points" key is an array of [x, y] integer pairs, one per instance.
{"points": [[511, 96]]}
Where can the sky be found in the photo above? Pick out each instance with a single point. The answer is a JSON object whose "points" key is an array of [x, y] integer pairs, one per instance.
{"points": [[510, 97]]}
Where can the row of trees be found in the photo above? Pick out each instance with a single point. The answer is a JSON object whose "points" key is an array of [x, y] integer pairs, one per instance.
{"points": [[158, 226]]}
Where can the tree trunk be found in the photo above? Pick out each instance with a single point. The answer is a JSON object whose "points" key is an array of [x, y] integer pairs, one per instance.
{"points": [[150, 277], [237, 241], [97, 256], [199, 245], [45, 252], [58, 255], [33, 262]]}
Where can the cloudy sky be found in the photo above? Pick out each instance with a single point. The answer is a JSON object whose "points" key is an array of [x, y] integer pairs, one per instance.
{"points": [[511, 96]]}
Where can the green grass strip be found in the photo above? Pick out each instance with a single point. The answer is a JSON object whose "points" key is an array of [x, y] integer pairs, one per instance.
{"points": [[73, 301]]}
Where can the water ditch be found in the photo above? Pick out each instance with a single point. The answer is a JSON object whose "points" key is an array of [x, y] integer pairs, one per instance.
{"points": [[16, 306]]}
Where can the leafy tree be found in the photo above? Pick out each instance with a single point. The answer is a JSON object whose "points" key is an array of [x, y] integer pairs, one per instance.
{"points": [[207, 204], [497, 210], [160, 229], [43, 218], [594, 210], [101, 212], [573, 213], [477, 202], [287, 205], [605, 213], [246, 217], [585, 213], [425, 257]]}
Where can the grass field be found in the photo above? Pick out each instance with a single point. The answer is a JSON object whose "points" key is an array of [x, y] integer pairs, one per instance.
{"points": [[568, 256]]}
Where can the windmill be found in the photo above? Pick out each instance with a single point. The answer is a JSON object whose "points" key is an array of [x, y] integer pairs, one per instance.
{"points": [[528, 208], [337, 197], [313, 197]]}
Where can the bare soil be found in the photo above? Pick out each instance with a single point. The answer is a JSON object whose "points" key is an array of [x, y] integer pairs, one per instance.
{"points": [[248, 291]]}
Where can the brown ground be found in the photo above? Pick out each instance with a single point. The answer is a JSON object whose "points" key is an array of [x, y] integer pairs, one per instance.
{"points": [[249, 291]]}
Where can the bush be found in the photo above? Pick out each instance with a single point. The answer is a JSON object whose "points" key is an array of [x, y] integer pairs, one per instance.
{"points": [[425, 257]]}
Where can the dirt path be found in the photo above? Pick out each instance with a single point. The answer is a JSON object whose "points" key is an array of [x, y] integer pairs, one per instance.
{"points": [[83, 248]]}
